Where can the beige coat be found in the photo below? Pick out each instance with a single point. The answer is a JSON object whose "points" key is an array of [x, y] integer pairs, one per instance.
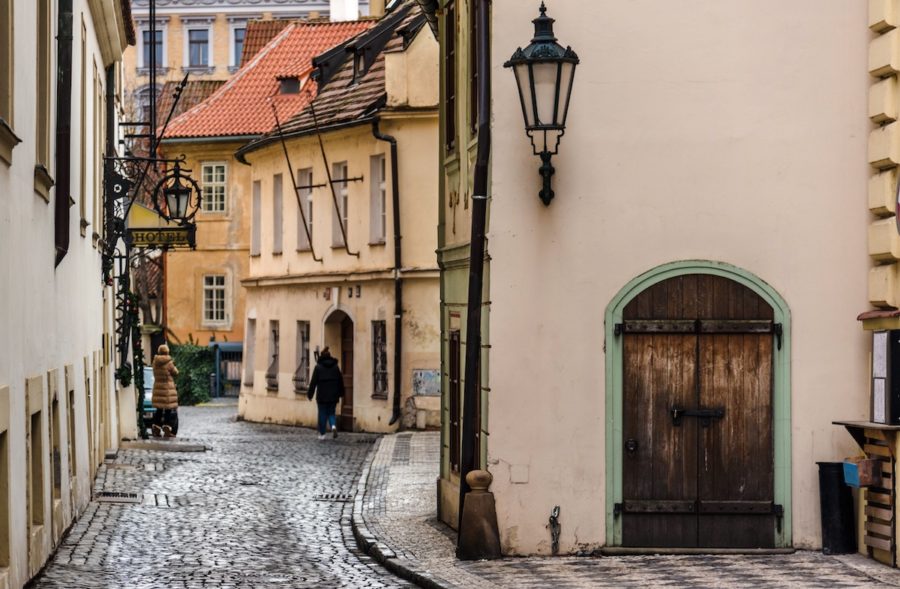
{"points": [[165, 396]]}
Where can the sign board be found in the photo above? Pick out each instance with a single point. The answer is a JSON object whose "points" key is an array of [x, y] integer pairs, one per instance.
{"points": [[427, 382], [161, 237], [146, 228]]}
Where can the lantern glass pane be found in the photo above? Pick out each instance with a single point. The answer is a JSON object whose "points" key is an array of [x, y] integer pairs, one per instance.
{"points": [[522, 79], [567, 75], [545, 91]]}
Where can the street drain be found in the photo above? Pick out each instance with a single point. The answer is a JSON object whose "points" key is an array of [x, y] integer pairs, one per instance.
{"points": [[336, 497], [115, 497], [113, 466], [365, 440]]}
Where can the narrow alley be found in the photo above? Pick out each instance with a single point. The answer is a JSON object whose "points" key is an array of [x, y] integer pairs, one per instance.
{"points": [[257, 509]]}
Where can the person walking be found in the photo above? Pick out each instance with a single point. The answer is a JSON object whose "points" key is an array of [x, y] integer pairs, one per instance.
{"points": [[165, 395], [327, 385]]}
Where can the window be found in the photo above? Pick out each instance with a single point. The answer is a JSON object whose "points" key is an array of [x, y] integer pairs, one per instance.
{"points": [[214, 181], [379, 360], [377, 202], [450, 75], [272, 370], [42, 96], [157, 46], [301, 375], [277, 210], [36, 480], [339, 177], [198, 47], [82, 197], [305, 179], [6, 60], [250, 355], [146, 102], [453, 393], [237, 46], [255, 219], [214, 299]]}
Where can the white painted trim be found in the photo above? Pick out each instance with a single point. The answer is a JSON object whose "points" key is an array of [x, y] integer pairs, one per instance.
{"points": [[191, 25], [162, 28], [234, 60]]}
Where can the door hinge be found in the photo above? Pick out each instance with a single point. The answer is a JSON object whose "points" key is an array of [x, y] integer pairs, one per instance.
{"points": [[617, 509], [778, 330], [619, 328], [778, 510]]}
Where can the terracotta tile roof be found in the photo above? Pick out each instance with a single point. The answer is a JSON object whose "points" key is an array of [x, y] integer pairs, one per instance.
{"points": [[195, 92], [340, 100], [241, 106], [258, 35]]}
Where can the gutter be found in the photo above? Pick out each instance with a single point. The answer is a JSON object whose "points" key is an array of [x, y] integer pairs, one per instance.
{"points": [[63, 131], [398, 278], [471, 392], [214, 139]]}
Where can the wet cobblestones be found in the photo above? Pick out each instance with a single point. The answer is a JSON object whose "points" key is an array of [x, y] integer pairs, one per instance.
{"points": [[242, 515], [398, 509]]}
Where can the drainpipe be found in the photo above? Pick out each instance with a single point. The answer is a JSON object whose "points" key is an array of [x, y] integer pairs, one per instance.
{"points": [[398, 279], [471, 394], [63, 198]]}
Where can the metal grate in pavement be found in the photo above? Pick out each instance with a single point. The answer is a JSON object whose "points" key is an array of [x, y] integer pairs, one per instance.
{"points": [[336, 497], [366, 440], [116, 497]]}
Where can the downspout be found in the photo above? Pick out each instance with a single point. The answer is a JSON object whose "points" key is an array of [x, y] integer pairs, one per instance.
{"points": [[398, 259], [471, 394], [63, 198]]}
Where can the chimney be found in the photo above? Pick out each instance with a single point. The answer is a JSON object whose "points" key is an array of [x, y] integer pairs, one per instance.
{"points": [[342, 10], [376, 8]]}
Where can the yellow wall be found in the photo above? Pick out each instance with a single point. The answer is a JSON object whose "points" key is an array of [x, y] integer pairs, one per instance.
{"points": [[222, 248]]}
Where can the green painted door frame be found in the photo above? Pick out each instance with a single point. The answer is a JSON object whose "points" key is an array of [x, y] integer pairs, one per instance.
{"points": [[781, 402]]}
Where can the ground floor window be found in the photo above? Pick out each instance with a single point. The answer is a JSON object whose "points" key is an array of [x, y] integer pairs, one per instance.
{"points": [[379, 359], [214, 299], [453, 390], [301, 375]]}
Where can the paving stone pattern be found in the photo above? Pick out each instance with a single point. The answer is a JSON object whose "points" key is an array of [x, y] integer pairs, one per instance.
{"points": [[399, 510], [242, 515]]}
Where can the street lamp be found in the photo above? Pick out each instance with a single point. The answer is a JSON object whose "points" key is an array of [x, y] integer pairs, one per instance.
{"points": [[180, 194], [544, 73]]}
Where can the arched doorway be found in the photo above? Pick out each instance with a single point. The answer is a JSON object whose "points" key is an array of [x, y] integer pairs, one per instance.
{"points": [[339, 338], [698, 443]]}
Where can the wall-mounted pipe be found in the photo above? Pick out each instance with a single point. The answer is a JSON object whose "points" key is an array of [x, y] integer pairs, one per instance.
{"points": [[398, 264]]}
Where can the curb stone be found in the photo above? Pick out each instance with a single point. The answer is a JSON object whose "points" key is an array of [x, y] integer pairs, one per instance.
{"points": [[405, 568]]}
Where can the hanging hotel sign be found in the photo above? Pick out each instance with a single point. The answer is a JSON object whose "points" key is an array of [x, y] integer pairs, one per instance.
{"points": [[147, 229]]}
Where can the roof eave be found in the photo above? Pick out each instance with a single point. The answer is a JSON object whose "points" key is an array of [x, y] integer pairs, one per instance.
{"points": [[241, 153]]}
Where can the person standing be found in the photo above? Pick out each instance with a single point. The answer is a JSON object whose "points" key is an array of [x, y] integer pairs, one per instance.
{"points": [[327, 385], [165, 395]]}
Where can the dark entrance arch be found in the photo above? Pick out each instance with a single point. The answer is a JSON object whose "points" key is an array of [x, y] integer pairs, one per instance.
{"points": [[339, 337]]}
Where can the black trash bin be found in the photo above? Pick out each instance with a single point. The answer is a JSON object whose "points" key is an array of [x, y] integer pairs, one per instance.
{"points": [[836, 503]]}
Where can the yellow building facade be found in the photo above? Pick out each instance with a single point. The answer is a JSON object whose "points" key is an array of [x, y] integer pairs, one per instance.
{"points": [[340, 289]]}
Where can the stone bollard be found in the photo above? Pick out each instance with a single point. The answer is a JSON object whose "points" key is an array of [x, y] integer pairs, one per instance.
{"points": [[479, 537]]}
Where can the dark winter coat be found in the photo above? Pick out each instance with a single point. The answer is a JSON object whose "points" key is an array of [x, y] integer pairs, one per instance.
{"points": [[165, 396], [327, 380]]}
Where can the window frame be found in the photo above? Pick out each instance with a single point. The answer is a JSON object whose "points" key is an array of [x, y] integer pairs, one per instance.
{"points": [[213, 184], [379, 359], [305, 180], [210, 319], [274, 352], [302, 372], [234, 58], [249, 356], [378, 199], [450, 72], [143, 66], [277, 214], [256, 219], [189, 26], [341, 171]]}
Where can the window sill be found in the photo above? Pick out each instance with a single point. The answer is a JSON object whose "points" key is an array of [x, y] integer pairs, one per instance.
{"points": [[233, 68], [145, 71], [303, 250], [8, 140], [379, 397], [378, 242], [255, 255], [198, 69], [84, 225], [43, 182]]}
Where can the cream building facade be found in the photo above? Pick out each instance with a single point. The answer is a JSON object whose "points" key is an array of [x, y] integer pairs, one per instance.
{"points": [[59, 406], [697, 151], [341, 289], [205, 39]]}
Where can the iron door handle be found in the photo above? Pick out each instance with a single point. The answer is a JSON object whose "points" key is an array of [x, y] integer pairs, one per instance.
{"points": [[705, 415]]}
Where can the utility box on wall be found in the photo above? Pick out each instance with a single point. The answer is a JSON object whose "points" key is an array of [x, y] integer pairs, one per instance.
{"points": [[885, 405]]}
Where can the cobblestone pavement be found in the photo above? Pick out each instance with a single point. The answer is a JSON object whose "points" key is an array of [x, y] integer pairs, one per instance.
{"points": [[242, 515], [398, 508]]}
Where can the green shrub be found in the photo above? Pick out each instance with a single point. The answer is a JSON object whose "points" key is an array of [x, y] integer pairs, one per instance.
{"points": [[195, 364]]}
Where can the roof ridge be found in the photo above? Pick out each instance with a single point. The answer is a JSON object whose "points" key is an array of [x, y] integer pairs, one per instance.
{"points": [[215, 96]]}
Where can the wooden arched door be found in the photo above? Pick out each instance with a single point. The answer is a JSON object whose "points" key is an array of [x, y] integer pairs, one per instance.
{"points": [[698, 450], [346, 417]]}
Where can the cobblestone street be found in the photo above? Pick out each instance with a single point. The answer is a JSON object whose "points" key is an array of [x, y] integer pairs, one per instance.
{"points": [[244, 514], [398, 510]]}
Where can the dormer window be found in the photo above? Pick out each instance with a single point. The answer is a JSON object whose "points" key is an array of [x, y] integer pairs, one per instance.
{"points": [[357, 68], [289, 85]]}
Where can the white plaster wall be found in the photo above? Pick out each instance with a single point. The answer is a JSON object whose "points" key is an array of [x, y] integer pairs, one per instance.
{"points": [[49, 317], [730, 131]]}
